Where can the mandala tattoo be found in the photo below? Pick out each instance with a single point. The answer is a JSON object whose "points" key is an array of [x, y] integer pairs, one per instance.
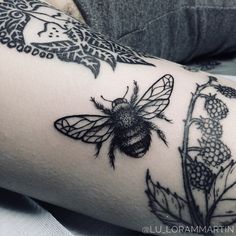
{"points": [[208, 169], [128, 122], [58, 35]]}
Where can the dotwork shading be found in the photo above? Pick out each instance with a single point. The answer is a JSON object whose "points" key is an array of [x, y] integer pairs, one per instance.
{"points": [[128, 123]]}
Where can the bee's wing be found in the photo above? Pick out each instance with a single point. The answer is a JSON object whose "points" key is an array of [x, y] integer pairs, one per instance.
{"points": [[156, 98], [88, 128]]}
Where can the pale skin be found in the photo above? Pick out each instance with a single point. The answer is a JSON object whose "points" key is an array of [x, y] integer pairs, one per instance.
{"points": [[67, 6], [39, 161]]}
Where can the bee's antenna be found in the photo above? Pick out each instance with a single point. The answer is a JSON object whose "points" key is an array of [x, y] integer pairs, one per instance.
{"points": [[127, 90], [105, 99]]}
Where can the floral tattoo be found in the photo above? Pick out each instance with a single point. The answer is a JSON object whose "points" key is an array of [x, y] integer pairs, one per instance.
{"points": [[208, 169], [58, 35], [128, 122]]}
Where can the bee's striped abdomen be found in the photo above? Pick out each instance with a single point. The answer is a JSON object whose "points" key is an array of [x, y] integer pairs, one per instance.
{"points": [[135, 141]]}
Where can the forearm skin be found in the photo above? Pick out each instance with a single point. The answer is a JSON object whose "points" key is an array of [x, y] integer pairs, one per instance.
{"points": [[38, 159]]}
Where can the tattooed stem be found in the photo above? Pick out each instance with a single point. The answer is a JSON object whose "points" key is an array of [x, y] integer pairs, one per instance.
{"points": [[184, 153], [207, 206], [195, 121], [203, 96], [194, 149], [193, 208]]}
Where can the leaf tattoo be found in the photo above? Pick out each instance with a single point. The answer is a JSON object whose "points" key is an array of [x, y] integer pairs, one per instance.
{"points": [[61, 36], [171, 209], [222, 197]]}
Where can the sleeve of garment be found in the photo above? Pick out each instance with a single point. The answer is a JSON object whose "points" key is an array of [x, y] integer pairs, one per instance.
{"points": [[174, 30]]}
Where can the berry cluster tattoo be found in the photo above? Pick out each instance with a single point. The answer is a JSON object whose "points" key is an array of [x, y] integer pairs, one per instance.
{"points": [[128, 122], [207, 168], [55, 34]]}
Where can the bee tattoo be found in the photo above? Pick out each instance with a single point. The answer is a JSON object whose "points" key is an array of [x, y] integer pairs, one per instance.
{"points": [[128, 123]]}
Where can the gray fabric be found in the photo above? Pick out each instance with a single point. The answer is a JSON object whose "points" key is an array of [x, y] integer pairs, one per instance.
{"points": [[224, 65], [22, 216], [175, 30]]}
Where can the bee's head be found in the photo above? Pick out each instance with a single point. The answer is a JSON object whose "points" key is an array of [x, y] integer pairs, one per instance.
{"points": [[118, 101]]}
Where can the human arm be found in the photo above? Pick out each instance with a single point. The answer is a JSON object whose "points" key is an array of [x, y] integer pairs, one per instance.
{"points": [[55, 78]]}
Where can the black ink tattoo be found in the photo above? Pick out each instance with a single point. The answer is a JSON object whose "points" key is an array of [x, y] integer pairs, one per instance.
{"points": [[202, 65], [59, 35], [128, 122], [208, 170]]}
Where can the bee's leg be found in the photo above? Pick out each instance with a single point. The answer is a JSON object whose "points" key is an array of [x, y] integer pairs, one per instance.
{"points": [[162, 116], [98, 147], [111, 153], [134, 96], [160, 133], [100, 107]]}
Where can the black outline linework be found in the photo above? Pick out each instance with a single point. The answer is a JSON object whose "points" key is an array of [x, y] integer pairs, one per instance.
{"points": [[61, 36], [128, 122]]}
